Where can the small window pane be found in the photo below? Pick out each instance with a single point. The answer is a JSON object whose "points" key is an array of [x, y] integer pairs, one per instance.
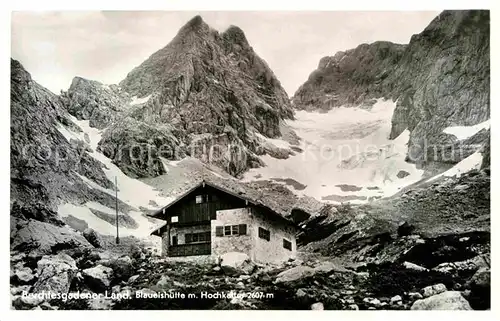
{"points": [[199, 199], [219, 231], [227, 230], [175, 219], [234, 230], [287, 244], [264, 234]]}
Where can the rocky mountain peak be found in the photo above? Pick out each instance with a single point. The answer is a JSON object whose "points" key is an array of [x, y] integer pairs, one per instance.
{"points": [[195, 22], [94, 101], [209, 89], [350, 78], [196, 27], [235, 35]]}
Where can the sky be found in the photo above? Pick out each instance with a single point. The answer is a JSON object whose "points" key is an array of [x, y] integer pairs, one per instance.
{"points": [[105, 45]]}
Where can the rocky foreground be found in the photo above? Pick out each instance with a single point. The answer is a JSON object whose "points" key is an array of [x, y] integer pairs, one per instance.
{"points": [[129, 277], [426, 249]]}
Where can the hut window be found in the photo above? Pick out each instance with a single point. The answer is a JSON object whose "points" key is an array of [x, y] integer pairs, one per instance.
{"points": [[197, 237], [228, 230], [199, 199], [287, 244], [174, 219], [264, 234]]}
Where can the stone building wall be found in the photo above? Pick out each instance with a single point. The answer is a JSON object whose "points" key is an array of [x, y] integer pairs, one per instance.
{"points": [[258, 249], [232, 243], [272, 251]]}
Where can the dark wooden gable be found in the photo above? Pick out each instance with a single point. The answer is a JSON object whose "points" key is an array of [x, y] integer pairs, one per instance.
{"points": [[201, 204]]}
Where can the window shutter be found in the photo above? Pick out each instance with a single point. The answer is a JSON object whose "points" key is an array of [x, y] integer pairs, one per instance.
{"points": [[219, 231], [243, 229]]}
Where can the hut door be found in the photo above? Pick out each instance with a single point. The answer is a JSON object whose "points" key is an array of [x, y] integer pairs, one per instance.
{"points": [[174, 240]]}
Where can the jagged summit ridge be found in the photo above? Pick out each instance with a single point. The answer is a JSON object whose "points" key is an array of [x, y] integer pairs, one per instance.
{"points": [[211, 89], [350, 78], [235, 34]]}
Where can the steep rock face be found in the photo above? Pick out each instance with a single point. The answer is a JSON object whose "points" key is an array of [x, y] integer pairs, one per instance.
{"points": [[93, 101], [444, 81], [136, 147], [440, 79], [350, 78], [211, 87], [42, 159], [449, 212], [46, 168]]}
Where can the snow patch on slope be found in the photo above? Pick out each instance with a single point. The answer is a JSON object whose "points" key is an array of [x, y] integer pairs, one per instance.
{"points": [[130, 191], [344, 146], [273, 141], [472, 162], [138, 101], [464, 132]]}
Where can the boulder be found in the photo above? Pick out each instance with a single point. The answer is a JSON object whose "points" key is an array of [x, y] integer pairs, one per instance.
{"points": [[300, 293], [24, 275], [433, 290], [481, 261], [236, 263], [402, 174], [45, 238], [25, 302], [327, 267], [133, 278], [98, 278], [93, 238], [405, 229], [373, 302], [473, 264], [481, 279], [122, 267], [19, 289], [415, 267], [294, 274], [137, 253], [395, 299], [317, 306], [415, 296], [55, 273], [448, 300], [480, 289], [163, 281]]}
